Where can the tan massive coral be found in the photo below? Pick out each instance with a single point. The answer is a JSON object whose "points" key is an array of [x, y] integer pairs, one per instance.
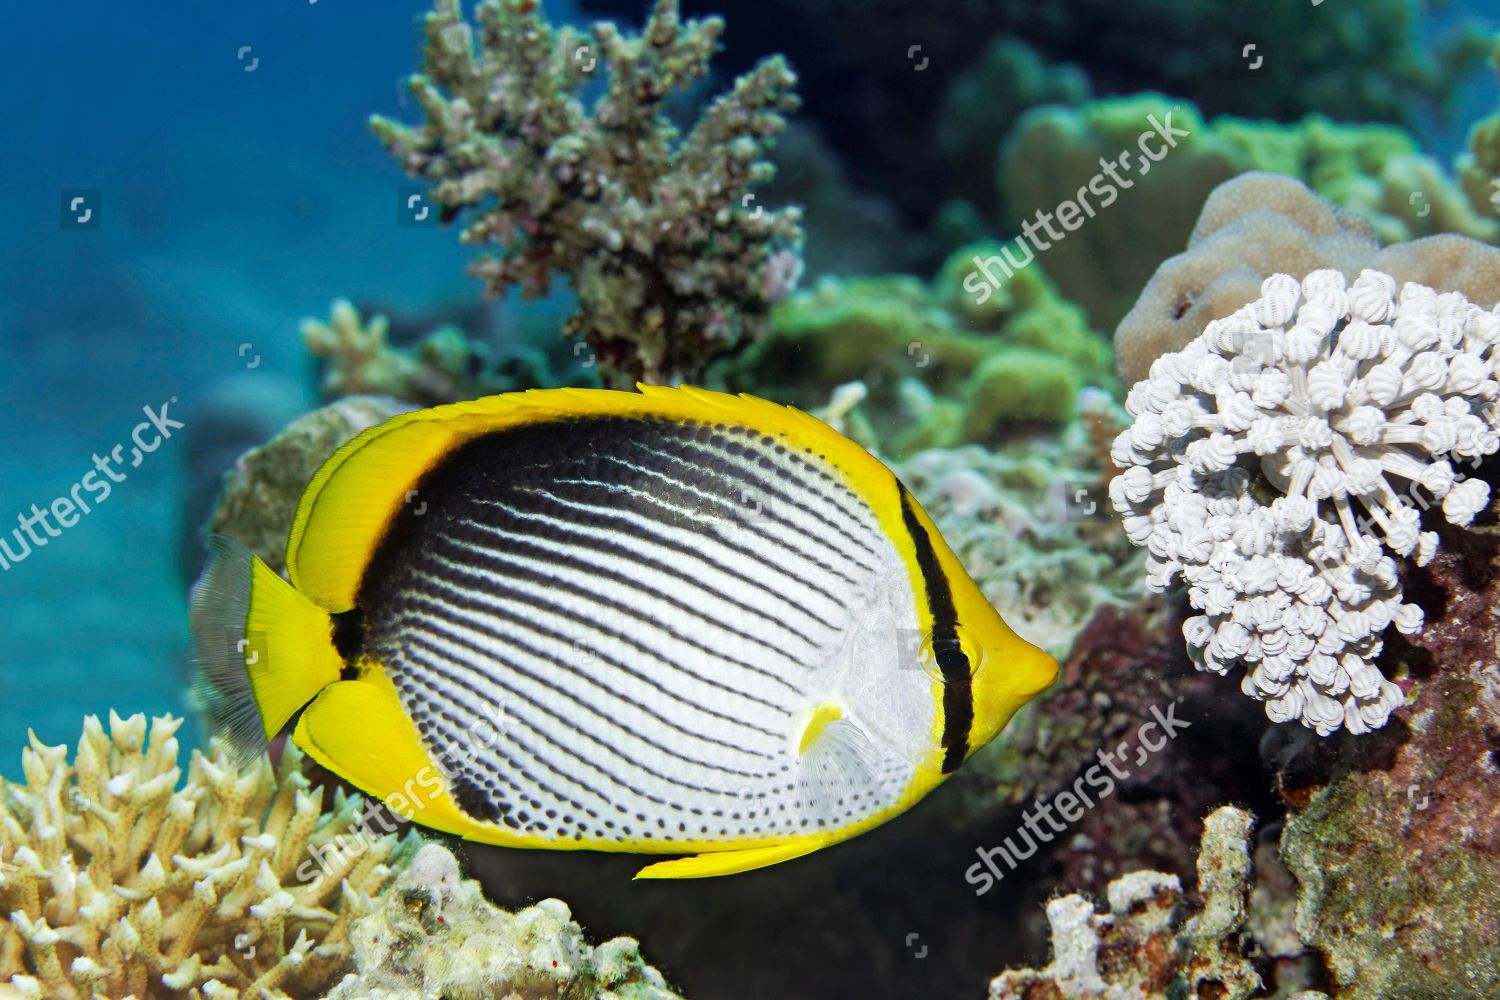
{"points": [[1259, 224], [116, 882]]}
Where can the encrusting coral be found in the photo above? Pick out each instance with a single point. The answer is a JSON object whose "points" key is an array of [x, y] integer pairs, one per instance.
{"points": [[671, 262], [1395, 840], [117, 882], [432, 933], [1259, 224], [1142, 947], [1276, 460]]}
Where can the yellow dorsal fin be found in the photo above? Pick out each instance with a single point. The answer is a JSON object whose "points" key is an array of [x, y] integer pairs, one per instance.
{"points": [[733, 862], [352, 499]]}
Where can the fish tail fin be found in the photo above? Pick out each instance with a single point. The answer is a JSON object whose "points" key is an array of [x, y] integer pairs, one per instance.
{"points": [[263, 649]]}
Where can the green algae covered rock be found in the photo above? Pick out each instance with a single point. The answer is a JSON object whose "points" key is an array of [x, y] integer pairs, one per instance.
{"points": [[1053, 157], [943, 364]]}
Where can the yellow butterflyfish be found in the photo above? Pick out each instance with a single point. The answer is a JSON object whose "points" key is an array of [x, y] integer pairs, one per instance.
{"points": [[669, 621]]}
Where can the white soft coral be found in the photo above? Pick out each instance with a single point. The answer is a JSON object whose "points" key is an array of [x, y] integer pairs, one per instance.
{"points": [[1277, 461]]}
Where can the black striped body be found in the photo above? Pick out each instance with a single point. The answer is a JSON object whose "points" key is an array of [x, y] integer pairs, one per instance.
{"points": [[654, 608]]}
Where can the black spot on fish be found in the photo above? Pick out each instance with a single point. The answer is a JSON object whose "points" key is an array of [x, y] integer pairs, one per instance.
{"points": [[473, 799]]}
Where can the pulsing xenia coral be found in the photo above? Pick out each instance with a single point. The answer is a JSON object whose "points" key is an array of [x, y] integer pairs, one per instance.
{"points": [[119, 883], [1279, 461], [671, 261]]}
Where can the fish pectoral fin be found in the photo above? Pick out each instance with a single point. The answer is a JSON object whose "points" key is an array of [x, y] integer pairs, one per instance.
{"points": [[715, 863]]}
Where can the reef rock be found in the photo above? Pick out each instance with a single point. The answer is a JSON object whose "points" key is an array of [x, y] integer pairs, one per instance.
{"points": [[1395, 839], [434, 934]]}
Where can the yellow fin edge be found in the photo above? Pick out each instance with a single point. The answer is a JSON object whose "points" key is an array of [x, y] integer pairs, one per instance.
{"points": [[717, 863]]}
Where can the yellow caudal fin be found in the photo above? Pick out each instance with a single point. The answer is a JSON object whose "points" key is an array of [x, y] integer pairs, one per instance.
{"points": [[263, 649], [733, 862]]}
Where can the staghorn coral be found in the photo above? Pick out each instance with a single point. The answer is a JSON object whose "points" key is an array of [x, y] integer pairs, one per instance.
{"points": [[1142, 947], [1250, 450], [434, 934], [260, 494], [122, 883], [1259, 224], [670, 263], [444, 367]]}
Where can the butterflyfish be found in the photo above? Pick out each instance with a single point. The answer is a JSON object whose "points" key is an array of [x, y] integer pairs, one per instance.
{"points": [[670, 621]]}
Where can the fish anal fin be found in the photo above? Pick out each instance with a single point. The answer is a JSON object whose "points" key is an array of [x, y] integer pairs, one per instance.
{"points": [[715, 863], [358, 730]]}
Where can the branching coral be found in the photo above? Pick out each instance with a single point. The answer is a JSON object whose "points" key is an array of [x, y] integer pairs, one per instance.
{"points": [[670, 261], [119, 882], [444, 367], [1276, 460], [434, 934]]}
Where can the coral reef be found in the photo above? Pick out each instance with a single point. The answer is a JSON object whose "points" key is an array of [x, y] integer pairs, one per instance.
{"points": [[260, 494], [1143, 947], [655, 231], [1055, 152], [985, 100], [443, 367], [941, 369], [1259, 224], [1250, 449], [434, 934], [1395, 840], [878, 74], [118, 882], [1478, 166], [1377, 171]]}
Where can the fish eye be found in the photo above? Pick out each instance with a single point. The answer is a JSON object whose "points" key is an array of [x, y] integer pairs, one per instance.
{"points": [[954, 651]]}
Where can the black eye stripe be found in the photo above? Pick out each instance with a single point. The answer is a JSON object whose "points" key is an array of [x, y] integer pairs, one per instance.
{"points": [[958, 694]]}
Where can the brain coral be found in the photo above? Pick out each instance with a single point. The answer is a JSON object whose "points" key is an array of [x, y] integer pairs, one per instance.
{"points": [[1259, 224]]}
